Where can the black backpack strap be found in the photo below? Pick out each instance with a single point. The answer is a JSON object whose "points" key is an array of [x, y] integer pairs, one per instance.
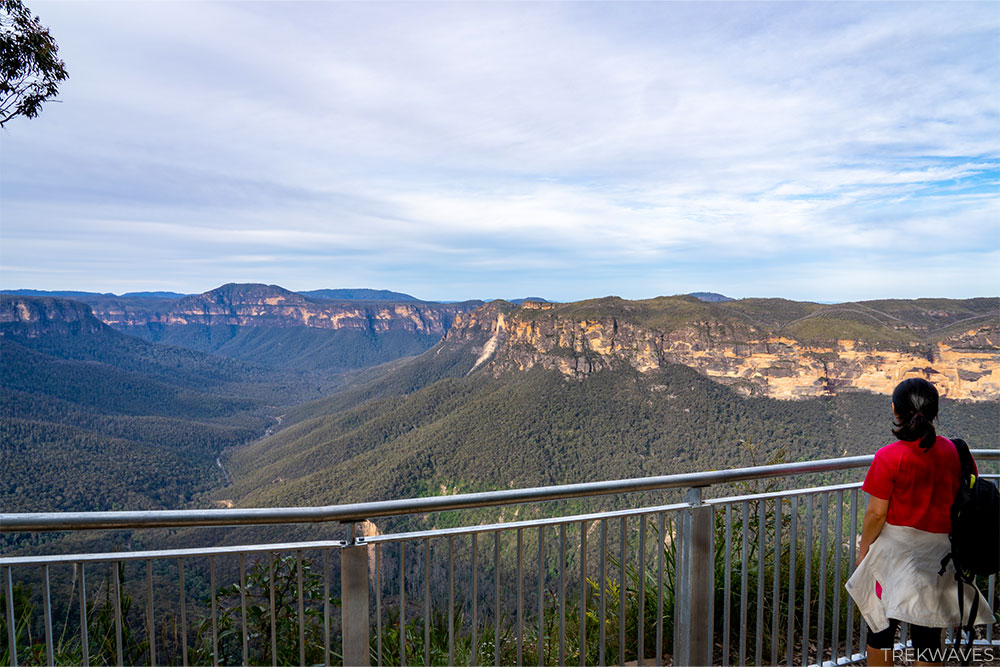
{"points": [[965, 458], [972, 619], [967, 470], [970, 630], [962, 658]]}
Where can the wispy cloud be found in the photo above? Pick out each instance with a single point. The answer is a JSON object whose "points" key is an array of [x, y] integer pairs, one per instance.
{"points": [[488, 149]]}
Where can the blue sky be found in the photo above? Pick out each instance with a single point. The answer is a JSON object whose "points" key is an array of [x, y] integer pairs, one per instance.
{"points": [[827, 152]]}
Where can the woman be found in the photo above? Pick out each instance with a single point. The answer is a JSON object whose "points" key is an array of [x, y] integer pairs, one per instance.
{"points": [[911, 485]]}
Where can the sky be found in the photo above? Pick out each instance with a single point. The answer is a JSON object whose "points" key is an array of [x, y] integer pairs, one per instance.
{"points": [[832, 151]]}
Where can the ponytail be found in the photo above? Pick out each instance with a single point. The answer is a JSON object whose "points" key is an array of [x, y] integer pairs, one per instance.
{"points": [[915, 402]]}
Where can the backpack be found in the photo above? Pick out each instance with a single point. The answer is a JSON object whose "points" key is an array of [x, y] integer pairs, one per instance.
{"points": [[975, 532]]}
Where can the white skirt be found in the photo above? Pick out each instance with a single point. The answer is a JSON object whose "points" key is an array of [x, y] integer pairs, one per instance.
{"points": [[903, 564]]}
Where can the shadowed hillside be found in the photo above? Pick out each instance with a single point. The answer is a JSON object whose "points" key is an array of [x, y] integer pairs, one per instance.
{"points": [[428, 426]]}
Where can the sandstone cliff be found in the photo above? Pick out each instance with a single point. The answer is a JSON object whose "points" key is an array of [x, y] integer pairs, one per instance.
{"points": [[777, 349], [273, 306], [32, 317]]}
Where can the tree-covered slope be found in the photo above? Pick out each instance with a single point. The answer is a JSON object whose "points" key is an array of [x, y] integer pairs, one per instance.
{"points": [[83, 406], [299, 348], [538, 428], [49, 467]]}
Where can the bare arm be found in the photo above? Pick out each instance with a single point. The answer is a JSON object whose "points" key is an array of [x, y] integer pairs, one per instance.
{"points": [[875, 515]]}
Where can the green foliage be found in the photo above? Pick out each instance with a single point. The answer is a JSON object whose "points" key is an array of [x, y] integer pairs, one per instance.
{"points": [[107, 473], [536, 428], [131, 442], [30, 68], [261, 614], [302, 349], [104, 388], [102, 639], [91, 419]]}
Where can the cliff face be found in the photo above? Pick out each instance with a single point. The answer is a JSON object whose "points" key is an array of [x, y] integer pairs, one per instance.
{"points": [[272, 306], [32, 317], [756, 360]]}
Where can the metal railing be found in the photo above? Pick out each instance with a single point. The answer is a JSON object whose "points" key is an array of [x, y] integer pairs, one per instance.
{"points": [[743, 579]]}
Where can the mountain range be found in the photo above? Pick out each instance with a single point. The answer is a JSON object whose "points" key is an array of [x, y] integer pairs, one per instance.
{"points": [[555, 393], [430, 398], [272, 326]]}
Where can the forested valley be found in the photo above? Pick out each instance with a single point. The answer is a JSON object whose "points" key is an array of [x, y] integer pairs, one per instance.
{"points": [[95, 419]]}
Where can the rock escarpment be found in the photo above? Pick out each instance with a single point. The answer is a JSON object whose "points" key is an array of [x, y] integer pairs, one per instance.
{"points": [[31, 317], [781, 349], [273, 306]]}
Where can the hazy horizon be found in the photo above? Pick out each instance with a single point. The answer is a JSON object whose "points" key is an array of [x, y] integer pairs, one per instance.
{"points": [[447, 299]]}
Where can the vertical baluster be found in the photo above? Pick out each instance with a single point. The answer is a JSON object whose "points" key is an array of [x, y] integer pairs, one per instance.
{"points": [[541, 596], [727, 566], [378, 603], [302, 609], [562, 594], [520, 600], [602, 639], [680, 589], [50, 654], [744, 582], [991, 585], [641, 622], [852, 555], [761, 536], [152, 618], [451, 599], [273, 613], [402, 603], [496, 615], [475, 596], [710, 630], [11, 623], [243, 610], [821, 613], [659, 591], [621, 601], [837, 555], [427, 601], [215, 618], [583, 593], [84, 636], [807, 580], [326, 604], [776, 586], [793, 539], [180, 574]]}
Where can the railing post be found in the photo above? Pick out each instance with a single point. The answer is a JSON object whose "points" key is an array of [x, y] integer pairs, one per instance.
{"points": [[355, 624], [695, 583]]}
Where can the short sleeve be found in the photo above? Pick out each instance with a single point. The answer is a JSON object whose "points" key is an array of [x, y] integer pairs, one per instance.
{"points": [[881, 477]]}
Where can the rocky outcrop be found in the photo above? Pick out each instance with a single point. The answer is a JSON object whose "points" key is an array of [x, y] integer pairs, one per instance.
{"points": [[273, 306], [755, 360], [32, 317]]}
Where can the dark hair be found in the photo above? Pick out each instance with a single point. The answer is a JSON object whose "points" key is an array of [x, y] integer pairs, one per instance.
{"points": [[916, 404]]}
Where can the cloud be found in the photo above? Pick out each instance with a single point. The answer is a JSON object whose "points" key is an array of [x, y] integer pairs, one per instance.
{"points": [[460, 146]]}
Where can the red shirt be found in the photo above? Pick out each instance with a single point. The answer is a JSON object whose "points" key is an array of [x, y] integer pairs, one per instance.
{"points": [[919, 485]]}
